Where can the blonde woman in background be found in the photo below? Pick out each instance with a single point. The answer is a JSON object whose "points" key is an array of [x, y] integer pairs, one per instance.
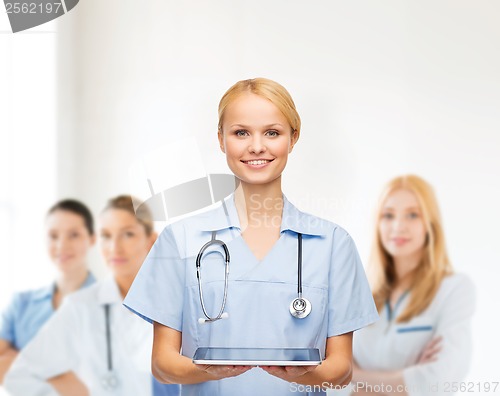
{"points": [[93, 338], [422, 341], [70, 235]]}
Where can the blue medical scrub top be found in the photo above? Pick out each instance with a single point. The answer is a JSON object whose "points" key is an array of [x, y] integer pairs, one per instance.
{"points": [[165, 389], [28, 312], [259, 293]]}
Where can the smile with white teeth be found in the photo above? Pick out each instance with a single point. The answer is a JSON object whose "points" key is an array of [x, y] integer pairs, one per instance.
{"points": [[257, 162]]}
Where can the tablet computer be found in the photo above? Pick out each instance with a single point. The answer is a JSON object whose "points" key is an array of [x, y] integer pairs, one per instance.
{"points": [[257, 356]]}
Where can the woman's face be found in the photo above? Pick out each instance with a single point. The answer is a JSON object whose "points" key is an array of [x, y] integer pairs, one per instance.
{"points": [[123, 241], [256, 138], [401, 226], [68, 240]]}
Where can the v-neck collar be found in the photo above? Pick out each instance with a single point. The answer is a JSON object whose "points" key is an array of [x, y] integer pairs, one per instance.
{"points": [[252, 254], [391, 312]]}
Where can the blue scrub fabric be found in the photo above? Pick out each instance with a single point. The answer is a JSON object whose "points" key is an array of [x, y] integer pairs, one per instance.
{"points": [[28, 312], [165, 389], [259, 293]]}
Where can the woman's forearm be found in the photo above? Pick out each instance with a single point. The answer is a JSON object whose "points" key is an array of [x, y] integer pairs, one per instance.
{"points": [[6, 358], [333, 372], [170, 367], [68, 384], [173, 368]]}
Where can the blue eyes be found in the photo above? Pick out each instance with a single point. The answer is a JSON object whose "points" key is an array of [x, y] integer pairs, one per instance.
{"points": [[243, 132]]}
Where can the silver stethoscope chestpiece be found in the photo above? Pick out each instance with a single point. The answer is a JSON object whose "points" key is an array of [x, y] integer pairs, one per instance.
{"points": [[109, 381], [300, 307]]}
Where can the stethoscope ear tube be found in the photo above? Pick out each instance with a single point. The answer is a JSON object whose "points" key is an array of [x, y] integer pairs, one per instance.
{"points": [[207, 245], [221, 313]]}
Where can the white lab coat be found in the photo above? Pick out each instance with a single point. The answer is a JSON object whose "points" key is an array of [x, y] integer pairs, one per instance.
{"points": [[74, 339], [387, 345]]}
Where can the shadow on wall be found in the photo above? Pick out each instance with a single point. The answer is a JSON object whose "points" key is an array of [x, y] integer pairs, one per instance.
{"points": [[188, 197]]}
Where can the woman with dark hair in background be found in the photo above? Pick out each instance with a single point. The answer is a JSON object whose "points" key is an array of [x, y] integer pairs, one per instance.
{"points": [[93, 338], [70, 236]]}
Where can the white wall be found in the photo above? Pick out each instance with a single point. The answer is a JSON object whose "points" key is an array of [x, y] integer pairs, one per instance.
{"points": [[383, 88], [27, 154]]}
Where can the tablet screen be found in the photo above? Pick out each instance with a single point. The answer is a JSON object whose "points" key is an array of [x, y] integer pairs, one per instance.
{"points": [[258, 356]]}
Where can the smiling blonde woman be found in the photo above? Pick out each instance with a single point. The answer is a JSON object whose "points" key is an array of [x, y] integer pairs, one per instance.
{"points": [[266, 237], [422, 342]]}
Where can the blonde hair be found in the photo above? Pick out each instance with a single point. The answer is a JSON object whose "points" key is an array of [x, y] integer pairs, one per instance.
{"points": [[435, 264], [142, 214], [267, 89]]}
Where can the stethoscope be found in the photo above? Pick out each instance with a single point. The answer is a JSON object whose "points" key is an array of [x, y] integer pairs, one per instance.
{"points": [[300, 307], [109, 381]]}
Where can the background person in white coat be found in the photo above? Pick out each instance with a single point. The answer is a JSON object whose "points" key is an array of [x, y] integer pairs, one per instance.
{"points": [[92, 336], [69, 228], [422, 342]]}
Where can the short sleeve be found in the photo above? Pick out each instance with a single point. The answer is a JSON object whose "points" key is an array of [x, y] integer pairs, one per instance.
{"points": [[454, 325], [350, 300], [157, 293], [8, 319]]}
